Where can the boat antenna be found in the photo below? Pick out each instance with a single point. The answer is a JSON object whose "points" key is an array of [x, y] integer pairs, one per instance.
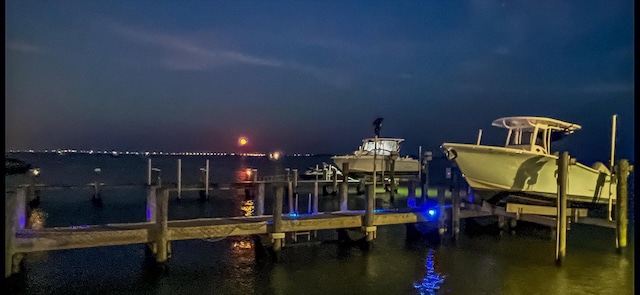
{"points": [[377, 124]]}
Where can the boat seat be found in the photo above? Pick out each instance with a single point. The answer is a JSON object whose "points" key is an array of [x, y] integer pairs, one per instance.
{"points": [[527, 147]]}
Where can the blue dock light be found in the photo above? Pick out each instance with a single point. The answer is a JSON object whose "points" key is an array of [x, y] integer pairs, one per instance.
{"points": [[432, 212]]}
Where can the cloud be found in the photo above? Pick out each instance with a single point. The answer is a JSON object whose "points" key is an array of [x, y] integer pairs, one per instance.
{"points": [[187, 55], [22, 47]]}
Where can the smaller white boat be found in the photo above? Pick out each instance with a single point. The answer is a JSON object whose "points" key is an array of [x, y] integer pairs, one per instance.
{"points": [[324, 173], [385, 150], [526, 168]]}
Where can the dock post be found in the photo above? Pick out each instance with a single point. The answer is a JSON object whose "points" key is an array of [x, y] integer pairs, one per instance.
{"points": [[442, 228], [149, 171], [14, 219], [295, 187], [315, 195], [152, 208], [97, 185], [206, 180], [179, 178], [334, 178], [289, 190], [622, 174], [162, 242], [411, 193], [561, 218], [392, 177], [344, 187], [260, 200], [369, 228], [455, 213], [277, 236]]}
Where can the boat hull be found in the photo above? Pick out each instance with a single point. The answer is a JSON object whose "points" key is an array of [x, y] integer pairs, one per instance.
{"points": [[491, 170], [364, 164]]}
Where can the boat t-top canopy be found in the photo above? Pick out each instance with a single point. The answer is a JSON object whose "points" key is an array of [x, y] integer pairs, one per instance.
{"points": [[382, 146], [540, 132], [530, 123]]}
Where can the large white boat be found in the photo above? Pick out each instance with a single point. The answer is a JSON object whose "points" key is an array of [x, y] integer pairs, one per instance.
{"points": [[525, 167], [385, 150]]}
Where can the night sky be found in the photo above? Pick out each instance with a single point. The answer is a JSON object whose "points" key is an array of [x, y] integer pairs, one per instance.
{"points": [[312, 76]]}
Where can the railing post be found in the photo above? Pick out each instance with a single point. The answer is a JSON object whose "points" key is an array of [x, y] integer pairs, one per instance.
{"points": [[151, 203], [289, 189]]}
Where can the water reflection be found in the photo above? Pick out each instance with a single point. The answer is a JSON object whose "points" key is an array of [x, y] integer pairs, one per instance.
{"points": [[431, 282], [247, 208], [37, 219]]}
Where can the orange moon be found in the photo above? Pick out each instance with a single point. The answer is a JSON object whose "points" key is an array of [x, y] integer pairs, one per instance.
{"points": [[242, 141]]}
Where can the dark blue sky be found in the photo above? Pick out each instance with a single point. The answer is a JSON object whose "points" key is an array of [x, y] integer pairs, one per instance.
{"points": [[311, 76]]}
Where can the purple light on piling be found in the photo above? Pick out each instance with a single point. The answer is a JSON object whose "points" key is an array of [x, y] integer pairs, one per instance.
{"points": [[148, 213], [22, 220]]}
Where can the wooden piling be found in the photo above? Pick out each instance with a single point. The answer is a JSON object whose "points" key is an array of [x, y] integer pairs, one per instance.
{"points": [[259, 206], [151, 203], [206, 180], [315, 195], [179, 178], [289, 190], [392, 177], [561, 218], [334, 178], [455, 213], [162, 241], [277, 236], [369, 229], [622, 174], [11, 224], [442, 228], [344, 187], [149, 172]]}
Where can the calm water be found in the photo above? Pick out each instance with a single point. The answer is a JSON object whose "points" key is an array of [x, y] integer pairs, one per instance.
{"points": [[481, 262]]}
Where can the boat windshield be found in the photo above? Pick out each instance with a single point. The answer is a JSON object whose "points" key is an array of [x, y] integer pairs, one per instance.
{"points": [[382, 147]]}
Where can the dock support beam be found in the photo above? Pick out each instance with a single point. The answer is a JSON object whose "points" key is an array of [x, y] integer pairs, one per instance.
{"points": [[289, 190], [344, 187], [561, 218], [622, 174], [369, 229], [277, 236]]}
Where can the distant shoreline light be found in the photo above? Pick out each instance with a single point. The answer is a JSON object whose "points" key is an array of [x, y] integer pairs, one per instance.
{"points": [[150, 153]]}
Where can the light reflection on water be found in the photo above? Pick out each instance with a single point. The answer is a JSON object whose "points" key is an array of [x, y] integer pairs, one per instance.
{"points": [[431, 282]]}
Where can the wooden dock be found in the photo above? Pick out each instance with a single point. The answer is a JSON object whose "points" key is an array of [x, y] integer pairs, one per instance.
{"points": [[158, 231]]}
